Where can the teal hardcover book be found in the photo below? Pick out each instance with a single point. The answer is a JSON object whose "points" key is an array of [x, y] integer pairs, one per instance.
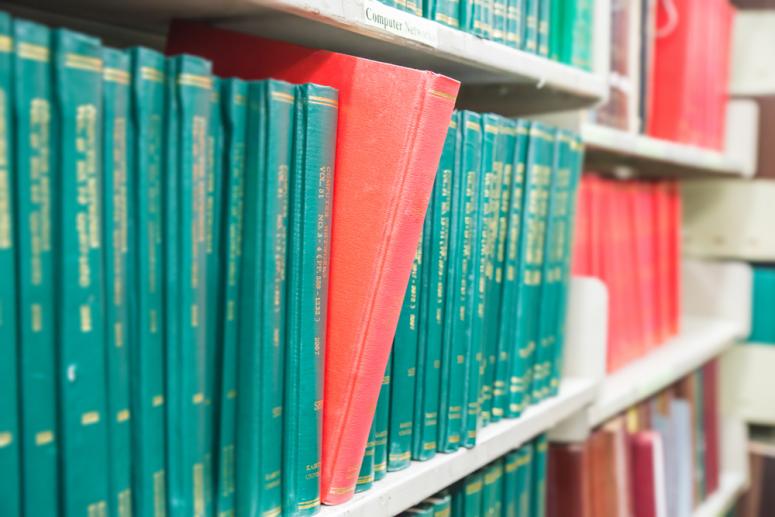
{"points": [[452, 369], [510, 494], [763, 305], [544, 25], [214, 264], [472, 487], [529, 272], [147, 396], [311, 190], [404, 371], [538, 485], [366, 474], [498, 16], [262, 344], [233, 94], [491, 491], [464, 344], [116, 195], [35, 188], [185, 242], [381, 422], [426, 408], [446, 12], [10, 489], [482, 265], [514, 25], [442, 504], [80, 300], [505, 147], [530, 31], [524, 478]]}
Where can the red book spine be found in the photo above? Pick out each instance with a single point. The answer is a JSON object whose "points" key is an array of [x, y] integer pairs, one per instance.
{"points": [[674, 196], [566, 494], [711, 425], [643, 474], [580, 255], [391, 129]]}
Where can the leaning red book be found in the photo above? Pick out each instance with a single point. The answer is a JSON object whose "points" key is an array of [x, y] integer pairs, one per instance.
{"points": [[391, 129]]}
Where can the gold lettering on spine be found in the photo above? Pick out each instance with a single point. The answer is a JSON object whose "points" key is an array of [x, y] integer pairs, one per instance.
{"points": [[120, 225], [87, 210], [280, 246], [40, 193], [154, 205], [446, 185], [325, 176], [199, 196]]}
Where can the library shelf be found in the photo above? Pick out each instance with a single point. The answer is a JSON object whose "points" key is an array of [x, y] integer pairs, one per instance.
{"points": [[748, 368], [731, 486], [401, 490], [700, 340], [609, 149], [495, 77]]}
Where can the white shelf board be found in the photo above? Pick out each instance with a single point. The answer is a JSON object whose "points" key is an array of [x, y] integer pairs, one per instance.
{"points": [[700, 340], [495, 76], [609, 148], [401, 490], [719, 502]]}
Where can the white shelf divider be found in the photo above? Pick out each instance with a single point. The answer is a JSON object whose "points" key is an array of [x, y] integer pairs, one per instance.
{"points": [[496, 77], [730, 487]]}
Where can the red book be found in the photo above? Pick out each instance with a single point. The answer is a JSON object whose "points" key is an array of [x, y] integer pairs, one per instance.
{"points": [[391, 129], [567, 482], [711, 425], [648, 496], [674, 209], [580, 256]]}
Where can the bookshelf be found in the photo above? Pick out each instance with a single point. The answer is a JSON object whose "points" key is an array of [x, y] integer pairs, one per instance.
{"points": [[496, 77], [732, 484]]}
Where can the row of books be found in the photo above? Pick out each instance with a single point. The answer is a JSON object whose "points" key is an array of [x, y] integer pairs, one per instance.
{"points": [[168, 233], [659, 458], [559, 29], [482, 328], [669, 69], [513, 485], [763, 305], [628, 234]]}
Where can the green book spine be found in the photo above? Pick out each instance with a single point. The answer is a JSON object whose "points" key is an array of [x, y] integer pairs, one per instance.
{"points": [[457, 491], [510, 499], [412, 6], [481, 18], [366, 474], [498, 15], [482, 266], [538, 486], [185, 236], [513, 22], [493, 489], [557, 27], [81, 303], [551, 269], [507, 334], [381, 422], [147, 395], [34, 117], [446, 12], [117, 132], [530, 32], [575, 156], [578, 49], [426, 409], [467, 15], [505, 149], [262, 331], [544, 23], [535, 200], [390, 3], [524, 478], [448, 214], [234, 94], [473, 494], [310, 201], [404, 368], [442, 505], [10, 489], [464, 344], [214, 262]]}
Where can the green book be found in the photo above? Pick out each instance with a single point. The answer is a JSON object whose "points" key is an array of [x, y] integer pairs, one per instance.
{"points": [[473, 494], [514, 25], [426, 407], [538, 486], [531, 20], [424, 509], [574, 43], [530, 269], [80, 300], [763, 304], [501, 322], [452, 354], [544, 24], [366, 474], [444, 11], [524, 479], [263, 305], [412, 6], [467, 15], [214, 265], [458, 505], [442, 504], [481, 18], [381, 422], [466, 271], [234, 94], [147, 396], [558, 28], [404, 369], [34, 179], [10, 489], [492, 489], [482, 266], [551, 270], [499, 12], [185, 243], [311, 185], [119, 248], [510, 496]]}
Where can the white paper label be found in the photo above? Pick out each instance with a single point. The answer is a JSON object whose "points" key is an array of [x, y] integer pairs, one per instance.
{"points": [[400, 23]]}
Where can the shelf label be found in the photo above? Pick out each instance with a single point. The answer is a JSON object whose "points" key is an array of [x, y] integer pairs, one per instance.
{"points": [[400, 23]]}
